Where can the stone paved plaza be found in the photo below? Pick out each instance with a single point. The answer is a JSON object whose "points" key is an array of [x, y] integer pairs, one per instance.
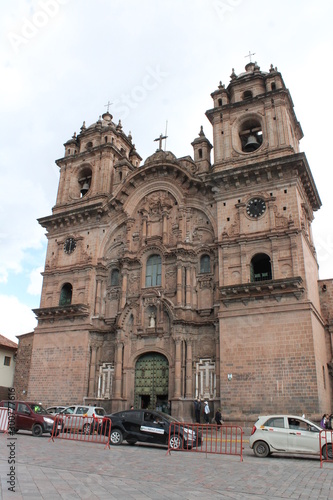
{"points": [[77, 470]]}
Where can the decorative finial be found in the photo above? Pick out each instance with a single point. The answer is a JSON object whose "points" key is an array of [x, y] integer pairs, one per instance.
{"points": [[129, 136], [233, 74], [201, 133], [271, 69], [74, 135], [119, 126], [83, 128]]}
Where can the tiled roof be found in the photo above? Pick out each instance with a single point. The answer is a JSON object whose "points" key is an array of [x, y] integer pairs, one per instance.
{"points": [[4, 342]]}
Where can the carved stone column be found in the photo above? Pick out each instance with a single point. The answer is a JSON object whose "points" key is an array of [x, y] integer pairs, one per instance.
{"points": [[118, 369], [178, 343], [179, 285], [124, 289], [165, 228], [92, 371], [188, 287], [98, 298], [189, 375]]}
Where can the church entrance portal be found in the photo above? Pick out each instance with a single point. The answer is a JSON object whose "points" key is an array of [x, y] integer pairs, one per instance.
{"points": [[152, 382]]}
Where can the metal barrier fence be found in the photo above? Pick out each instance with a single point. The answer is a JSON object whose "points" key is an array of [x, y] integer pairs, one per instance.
{"points": [[206, 438], [4, 425], [325, 446], [82, 428]]}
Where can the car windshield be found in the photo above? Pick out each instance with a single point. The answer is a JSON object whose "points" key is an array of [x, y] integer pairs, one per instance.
{"points": [[38, 409], [100, 412]]}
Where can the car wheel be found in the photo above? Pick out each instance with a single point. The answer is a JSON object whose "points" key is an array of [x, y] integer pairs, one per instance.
{"points": [[327, 452], [131, 441], [261, 449], [87, 429], [175, 442], [37, 430], [116, 437]]}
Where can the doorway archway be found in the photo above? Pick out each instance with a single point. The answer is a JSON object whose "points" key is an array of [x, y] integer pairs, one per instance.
{"points": [[152, 382]]}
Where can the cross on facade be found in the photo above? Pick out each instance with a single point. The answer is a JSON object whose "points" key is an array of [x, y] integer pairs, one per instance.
{"points": [[160, 139], [250, 55], [108, 105]]}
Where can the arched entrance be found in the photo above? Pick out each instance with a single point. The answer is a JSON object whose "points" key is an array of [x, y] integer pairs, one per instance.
{"points": [[152, 382]]}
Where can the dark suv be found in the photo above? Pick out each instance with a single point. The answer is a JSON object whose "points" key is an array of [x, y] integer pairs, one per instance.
{"points": [[30, 417], [150, 427]]}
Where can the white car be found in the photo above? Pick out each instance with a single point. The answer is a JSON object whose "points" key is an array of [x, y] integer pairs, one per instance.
{"points": [[82, 418], [289, 434]]}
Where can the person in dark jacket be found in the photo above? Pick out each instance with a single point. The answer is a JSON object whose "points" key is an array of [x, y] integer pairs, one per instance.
{"points": [[218, 416], [197, 410]]}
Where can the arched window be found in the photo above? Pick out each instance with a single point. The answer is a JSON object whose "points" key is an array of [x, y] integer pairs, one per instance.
{"points": [[114, 277], [261, 269], [205, 264], [247, 95], [84, 180], [66, 295], [153, 271]]}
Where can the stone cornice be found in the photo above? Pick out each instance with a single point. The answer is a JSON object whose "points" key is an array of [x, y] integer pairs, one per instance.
{"points": [[62, 312], [72, 217], [285, 167], [258, 290]]}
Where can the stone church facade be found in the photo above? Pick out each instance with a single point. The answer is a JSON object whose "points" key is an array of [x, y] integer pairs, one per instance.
{"points": [[183, 278]]}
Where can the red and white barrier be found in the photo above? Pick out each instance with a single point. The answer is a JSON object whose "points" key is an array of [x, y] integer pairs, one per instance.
{"points": [[4, 414], [210, 438]]}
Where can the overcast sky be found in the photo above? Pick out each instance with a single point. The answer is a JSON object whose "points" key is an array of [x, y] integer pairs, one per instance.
{"points": [[156, 61]]}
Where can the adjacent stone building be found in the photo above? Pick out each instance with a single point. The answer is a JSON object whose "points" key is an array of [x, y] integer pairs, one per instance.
{"points": [[183, 278]]}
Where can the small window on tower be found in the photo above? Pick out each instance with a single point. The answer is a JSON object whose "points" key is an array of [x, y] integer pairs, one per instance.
{"points": [[247, 95], [66, 295], [250, 135], [260, 269], [220, 102], [84, 180], [273, 86], [200, 153]]}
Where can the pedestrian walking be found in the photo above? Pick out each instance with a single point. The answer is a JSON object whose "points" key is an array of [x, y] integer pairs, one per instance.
{"points": [[218, 416], [206, 412]]}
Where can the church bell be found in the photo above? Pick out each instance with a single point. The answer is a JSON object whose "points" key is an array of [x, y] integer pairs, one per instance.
{"points": [[251, 144], [85, 188]]}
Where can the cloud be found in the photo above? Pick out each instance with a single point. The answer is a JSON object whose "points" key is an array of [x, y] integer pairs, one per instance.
{"points": [[36, 281], [17, 318]]}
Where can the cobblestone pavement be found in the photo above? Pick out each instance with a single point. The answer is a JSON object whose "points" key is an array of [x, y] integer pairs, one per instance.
{"points": [[77, 470]]}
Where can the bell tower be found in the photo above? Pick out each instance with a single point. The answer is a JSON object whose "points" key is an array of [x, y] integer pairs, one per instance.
{"points": [[271, 331], [253, 116]]}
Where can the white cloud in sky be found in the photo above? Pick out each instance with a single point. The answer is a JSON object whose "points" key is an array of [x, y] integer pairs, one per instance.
{"points": [[16, 318], [36, 280]]}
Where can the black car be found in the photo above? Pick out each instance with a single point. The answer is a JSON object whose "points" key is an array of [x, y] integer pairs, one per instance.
{"points": [[150, 427]]}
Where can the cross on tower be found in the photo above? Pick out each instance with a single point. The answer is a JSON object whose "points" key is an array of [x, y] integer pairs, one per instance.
{"points": [[249, 55], [160, 139], [108, 105]]}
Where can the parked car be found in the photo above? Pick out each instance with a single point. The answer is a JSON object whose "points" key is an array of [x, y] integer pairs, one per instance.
{"points": [[91, 418], [150, 427], [288, 434], [54, 410], [31, 416]]}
